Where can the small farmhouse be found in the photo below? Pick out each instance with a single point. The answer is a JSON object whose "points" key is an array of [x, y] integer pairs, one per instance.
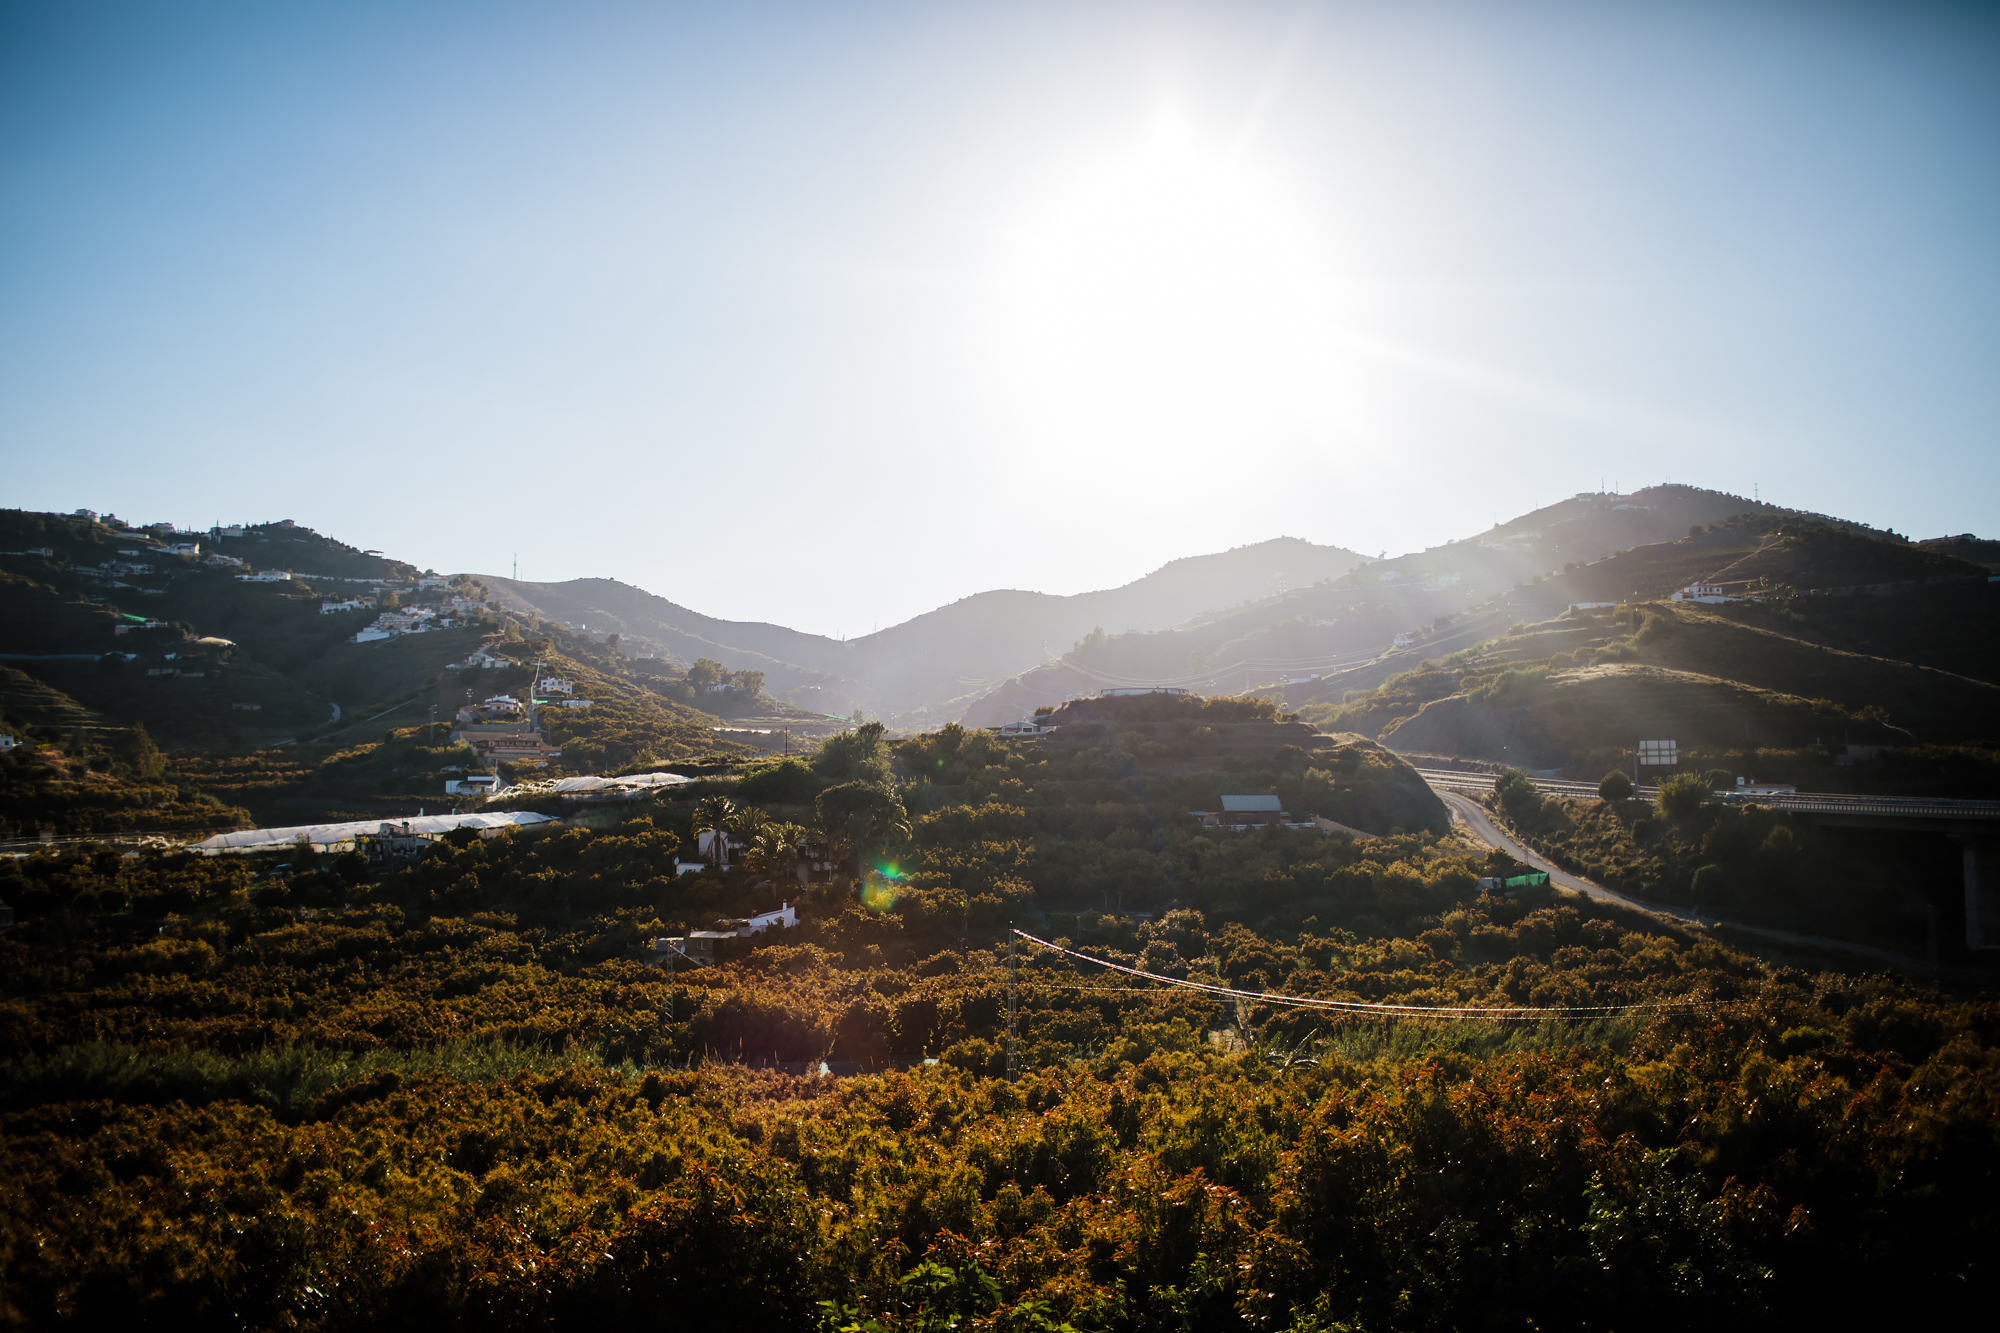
{"points": [[393, 844], [1244, 812], [699, 948], [1708, 594]]}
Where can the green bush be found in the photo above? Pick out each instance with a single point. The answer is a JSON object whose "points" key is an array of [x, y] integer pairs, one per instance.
{"points": [[1614, 786], [1683, 794], [787, 783]]}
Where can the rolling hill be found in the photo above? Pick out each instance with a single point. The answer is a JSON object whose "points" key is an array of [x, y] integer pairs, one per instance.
{"points": [[942, 659], [1576, 691], [1853, 618], [1322, 640]]}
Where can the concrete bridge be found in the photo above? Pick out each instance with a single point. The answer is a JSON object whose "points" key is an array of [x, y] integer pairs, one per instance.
{"points": [[1974, 825]]}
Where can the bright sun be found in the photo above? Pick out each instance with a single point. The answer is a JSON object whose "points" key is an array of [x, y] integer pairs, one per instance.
{"points": [[1170, 287]]}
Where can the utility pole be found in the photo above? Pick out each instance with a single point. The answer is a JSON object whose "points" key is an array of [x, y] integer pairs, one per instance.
{"points": [[1010, 1001]]}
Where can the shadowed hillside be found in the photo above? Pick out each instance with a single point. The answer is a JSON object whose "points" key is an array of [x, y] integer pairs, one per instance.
{"points": [[1536, 718]]}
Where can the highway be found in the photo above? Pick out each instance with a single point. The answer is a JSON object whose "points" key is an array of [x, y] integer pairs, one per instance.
{"points": [[1805, 802], [1482, 827]]}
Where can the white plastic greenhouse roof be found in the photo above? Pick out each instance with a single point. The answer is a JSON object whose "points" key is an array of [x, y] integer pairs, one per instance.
{"points": [[271, 839], [588, 784]]}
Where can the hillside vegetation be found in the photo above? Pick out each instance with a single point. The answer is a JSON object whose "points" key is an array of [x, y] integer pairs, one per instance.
{"points": [[331, 1099], [1754, 865], [1577, 692]]}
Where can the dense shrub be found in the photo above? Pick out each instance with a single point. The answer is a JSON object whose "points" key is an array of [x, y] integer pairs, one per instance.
{"points": [[1683, 794]]}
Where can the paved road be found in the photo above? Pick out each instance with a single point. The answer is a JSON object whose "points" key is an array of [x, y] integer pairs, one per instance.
{"points": [[1482, 826], [1481, 823], [1481, 782], [1805, 802]]}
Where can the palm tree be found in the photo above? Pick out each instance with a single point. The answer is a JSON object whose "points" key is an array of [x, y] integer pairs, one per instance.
{"points": [[717, 815], [832, 832], [773, 849], [747, 822], [887, 823]]}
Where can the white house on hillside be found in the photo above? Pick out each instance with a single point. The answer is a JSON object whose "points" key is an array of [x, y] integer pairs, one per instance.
{"points": [[1709, 594]]}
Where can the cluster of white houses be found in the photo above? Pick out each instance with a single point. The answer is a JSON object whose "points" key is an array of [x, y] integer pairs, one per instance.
{"points": [[405, 620]]}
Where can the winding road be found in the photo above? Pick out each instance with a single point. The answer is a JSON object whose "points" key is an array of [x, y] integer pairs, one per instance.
{"points": [[1481, 825]]}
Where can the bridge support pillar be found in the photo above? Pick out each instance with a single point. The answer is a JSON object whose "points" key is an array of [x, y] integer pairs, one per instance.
{"points": [[1982, 892]]}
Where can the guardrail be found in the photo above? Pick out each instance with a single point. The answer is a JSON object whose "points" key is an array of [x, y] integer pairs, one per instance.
{"points": [[1438, 777], [1823, 803], [1910, 807]]}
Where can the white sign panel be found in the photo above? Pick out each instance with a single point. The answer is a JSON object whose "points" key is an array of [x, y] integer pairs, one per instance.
{"points": [[1658, 754]]}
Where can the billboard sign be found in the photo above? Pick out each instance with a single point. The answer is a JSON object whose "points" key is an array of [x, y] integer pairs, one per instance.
{"points": [[1658, 754]]}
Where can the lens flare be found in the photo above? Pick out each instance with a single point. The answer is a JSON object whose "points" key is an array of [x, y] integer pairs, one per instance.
{"points": [[878, 889]]}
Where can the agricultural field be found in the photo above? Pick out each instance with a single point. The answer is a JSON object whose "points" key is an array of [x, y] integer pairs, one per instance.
{"points": [[1341, 1086]]}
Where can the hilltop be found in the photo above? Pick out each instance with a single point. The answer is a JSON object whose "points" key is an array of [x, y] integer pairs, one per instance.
{"points": [[1340, 633]]}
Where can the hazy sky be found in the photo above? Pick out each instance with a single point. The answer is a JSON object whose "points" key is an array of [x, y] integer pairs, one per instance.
{"points": [[830, 313]]}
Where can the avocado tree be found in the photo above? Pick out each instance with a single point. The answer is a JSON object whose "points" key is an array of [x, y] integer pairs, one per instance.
{"points": [[861, 816]]}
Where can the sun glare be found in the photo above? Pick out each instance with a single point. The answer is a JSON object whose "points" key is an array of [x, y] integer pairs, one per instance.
{"points": [[1168, 284]]}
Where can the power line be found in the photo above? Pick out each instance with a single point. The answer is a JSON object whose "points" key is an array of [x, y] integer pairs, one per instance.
{"points": [[1501, 1012]]}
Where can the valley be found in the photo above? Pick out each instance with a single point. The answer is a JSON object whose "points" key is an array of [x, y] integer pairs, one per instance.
{"points": [[813, 983]]}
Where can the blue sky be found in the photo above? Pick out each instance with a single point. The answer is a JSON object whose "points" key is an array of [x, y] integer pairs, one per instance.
{"points": [[829, 314]]}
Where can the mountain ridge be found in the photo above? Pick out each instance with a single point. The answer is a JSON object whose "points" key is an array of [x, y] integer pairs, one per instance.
{"points": [[940, 658]]}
